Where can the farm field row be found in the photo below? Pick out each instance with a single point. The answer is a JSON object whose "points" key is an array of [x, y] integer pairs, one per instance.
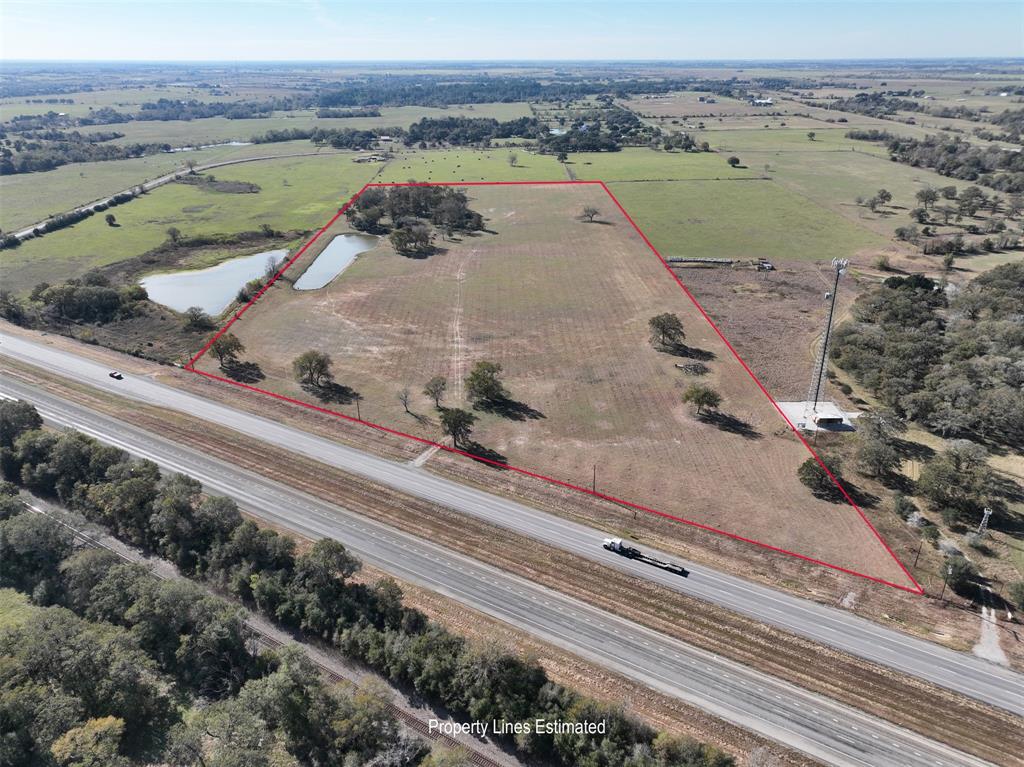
{"points": [[563, 306]]}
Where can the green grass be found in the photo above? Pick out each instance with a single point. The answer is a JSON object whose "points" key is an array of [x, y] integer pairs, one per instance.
{"points": [[316, 187], [14, 608], [836, 179], [645, 164], [786, 139], [471, 165], [30, 197], [197, 132], [738, 219]]}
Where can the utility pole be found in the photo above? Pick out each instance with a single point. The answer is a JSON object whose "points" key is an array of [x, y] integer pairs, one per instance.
{"points": [[945, 581], [358, 416], [593, 487], [918, 554]]}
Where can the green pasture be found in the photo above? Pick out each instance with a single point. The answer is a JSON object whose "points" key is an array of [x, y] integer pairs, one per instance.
{"points": [[27, 198], [471, 165], [640, 163], [738, 219], [296, 193]]}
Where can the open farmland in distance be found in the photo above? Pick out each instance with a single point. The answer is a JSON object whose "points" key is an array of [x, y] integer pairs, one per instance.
{"points": [[295, 193], [563, 306]]}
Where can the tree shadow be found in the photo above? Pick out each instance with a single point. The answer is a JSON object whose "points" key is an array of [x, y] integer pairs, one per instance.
{"points": [[912, 450], [330, 391], [485, 454], [729, 423], [595, 221], [243, 372], [687, 352], [509, 408]]}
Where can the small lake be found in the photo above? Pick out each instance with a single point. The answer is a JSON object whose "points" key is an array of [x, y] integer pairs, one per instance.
{"points": [[211, 289], [332, 261]]}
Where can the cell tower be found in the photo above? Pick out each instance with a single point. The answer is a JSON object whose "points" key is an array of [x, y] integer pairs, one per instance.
{"points": [[814, 394]]}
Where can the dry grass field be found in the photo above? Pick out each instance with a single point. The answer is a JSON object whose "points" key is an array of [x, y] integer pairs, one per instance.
{"points": [[563, 305]]}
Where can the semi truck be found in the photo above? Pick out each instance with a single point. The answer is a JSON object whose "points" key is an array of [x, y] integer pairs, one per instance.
{"points": [[630, 552]]}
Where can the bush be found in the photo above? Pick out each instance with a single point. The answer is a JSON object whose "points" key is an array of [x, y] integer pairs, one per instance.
{"points": [[1016, 592], [903, 506], [959, 574]]}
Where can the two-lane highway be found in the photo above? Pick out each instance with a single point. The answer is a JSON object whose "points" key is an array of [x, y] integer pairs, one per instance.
{"points": [[828, 731], [960, 672]]}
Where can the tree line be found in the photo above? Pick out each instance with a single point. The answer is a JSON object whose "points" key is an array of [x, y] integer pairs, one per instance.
{"points": [[313, 592], [466, 131], [989, 165]]}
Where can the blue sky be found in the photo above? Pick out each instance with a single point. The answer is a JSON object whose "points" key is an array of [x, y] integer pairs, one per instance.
{"points": [[305, 30]]}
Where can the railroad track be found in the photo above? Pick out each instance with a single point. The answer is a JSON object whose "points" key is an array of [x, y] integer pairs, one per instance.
{"points": [[410, 720]]}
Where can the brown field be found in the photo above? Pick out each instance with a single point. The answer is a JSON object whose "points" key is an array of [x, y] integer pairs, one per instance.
{"points": [[563, 306]]}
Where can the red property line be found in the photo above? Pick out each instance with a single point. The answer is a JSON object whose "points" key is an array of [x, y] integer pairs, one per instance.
{"points": [[190, 366]]}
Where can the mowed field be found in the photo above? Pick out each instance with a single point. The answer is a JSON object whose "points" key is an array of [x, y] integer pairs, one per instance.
{"points": [[295, 193], [563, 305]]}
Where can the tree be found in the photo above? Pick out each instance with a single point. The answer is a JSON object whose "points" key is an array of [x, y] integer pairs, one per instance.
{"points": [[810, 135], [733, 161], [884, 196], [435, 389], [816, 478], [927, 196], [110, 219], [959, 573], [174, 234], [16, 418], [457, 424], [920, 215], [562, 157], [227, 346], [959, 478], [197, 319], [948, 192], [93, 744], [513, 159], [312, 367], [590, 213], [702, 396], [483, 384], [667, 329], [403, 397]]}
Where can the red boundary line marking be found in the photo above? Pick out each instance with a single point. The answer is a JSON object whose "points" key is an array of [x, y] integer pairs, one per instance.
{"points": [[190, 366]]}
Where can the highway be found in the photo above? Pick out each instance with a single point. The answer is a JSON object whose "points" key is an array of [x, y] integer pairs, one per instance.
{"points": [[828, 731], [963, 673]]}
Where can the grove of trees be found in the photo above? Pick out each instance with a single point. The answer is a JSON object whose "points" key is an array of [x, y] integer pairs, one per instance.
{"points": [[949, 360]]}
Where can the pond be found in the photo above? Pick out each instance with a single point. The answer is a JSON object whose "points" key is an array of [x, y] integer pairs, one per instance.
{"points": [[211, 289], [332, 261]]}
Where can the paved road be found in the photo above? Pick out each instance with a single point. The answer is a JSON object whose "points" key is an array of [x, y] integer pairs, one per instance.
{"points": [[147, 186], [828, 731], [960, 672]]}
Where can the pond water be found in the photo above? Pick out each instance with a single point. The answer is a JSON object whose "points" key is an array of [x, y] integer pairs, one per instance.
{"points": [[332, 261], [211, 289]]}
